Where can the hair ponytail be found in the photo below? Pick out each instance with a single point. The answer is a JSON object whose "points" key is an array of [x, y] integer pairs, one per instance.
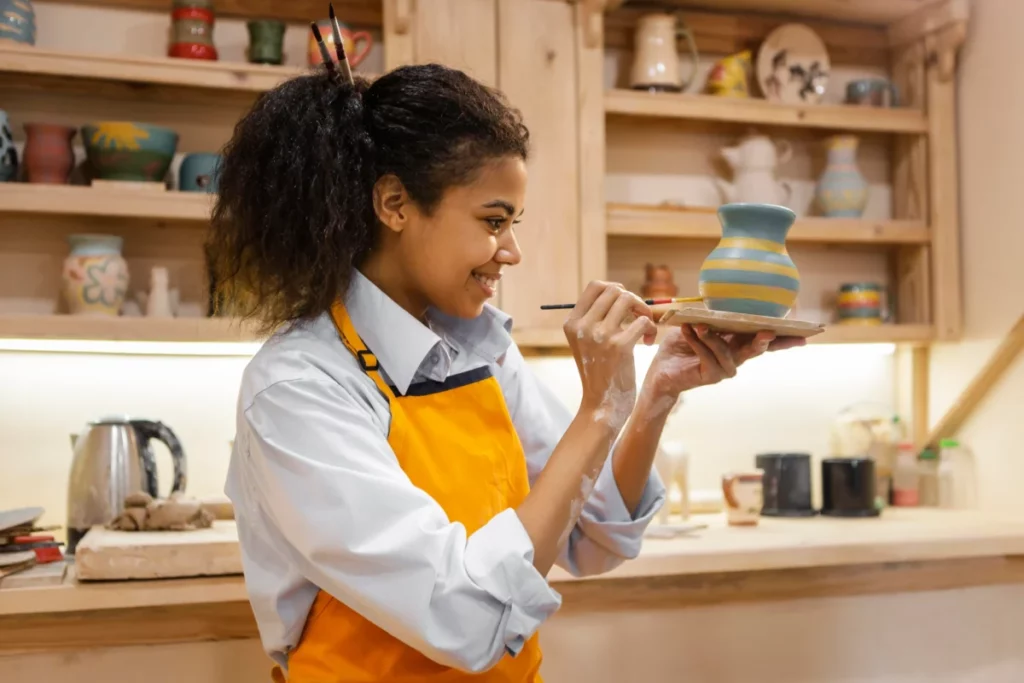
{"points": [[295, 212]]}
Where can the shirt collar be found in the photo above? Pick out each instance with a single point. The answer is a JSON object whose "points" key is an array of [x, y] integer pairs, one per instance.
{"points": [[402, 343]]}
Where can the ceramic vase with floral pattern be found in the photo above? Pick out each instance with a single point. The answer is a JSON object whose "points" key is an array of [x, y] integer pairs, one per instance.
{"points": [[95, 276], [8, 152]]}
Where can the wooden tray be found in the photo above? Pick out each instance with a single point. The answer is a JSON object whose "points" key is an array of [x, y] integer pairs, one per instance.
{"points": [[742, 323]]}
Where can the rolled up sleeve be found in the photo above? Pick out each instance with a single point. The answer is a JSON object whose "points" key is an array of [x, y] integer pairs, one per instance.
{"points": [[606, 534], [358, 528]]}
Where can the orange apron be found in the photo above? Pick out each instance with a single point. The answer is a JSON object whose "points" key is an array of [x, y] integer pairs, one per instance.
{"points": [[481, 473]]}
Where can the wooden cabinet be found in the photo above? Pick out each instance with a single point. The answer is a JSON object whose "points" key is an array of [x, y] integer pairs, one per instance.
{"points": [[563, 65]]}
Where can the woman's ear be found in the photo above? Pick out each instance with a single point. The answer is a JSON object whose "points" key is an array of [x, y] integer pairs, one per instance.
{"points": [[391, 202]]}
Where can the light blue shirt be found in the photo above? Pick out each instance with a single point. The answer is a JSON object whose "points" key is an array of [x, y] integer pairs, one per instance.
{"points": [[321, 501]]}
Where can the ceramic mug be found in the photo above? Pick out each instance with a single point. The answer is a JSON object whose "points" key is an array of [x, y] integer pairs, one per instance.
{"points": [[198, 173], [872, 92], [744, 497], [860, 303], [266, 38], [348, 37]]}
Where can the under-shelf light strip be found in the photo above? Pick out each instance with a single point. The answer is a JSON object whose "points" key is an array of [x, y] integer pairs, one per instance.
{"points": [[130, 348]]}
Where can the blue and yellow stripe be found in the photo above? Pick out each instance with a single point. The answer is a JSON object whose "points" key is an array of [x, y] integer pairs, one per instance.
{"points": [[749, 275]]}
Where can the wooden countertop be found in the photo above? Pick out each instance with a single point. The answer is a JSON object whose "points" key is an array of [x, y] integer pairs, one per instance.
{"points": [[776, 545]]}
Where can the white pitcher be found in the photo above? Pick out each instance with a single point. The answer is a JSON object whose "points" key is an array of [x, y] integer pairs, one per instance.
{"points": [[753, 162]]}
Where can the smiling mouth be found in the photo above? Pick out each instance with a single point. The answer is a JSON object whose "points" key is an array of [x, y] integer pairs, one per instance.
{"points": [[488, 282]]}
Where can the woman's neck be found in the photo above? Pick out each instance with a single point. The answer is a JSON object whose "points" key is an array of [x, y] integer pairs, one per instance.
{"points": [[385, 273]]}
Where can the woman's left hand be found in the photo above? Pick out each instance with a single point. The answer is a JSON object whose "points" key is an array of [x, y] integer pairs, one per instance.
{"points": [[694, 356]]}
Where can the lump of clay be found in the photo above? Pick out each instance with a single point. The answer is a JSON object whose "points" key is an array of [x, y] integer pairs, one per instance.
{"points": [[178, 512]]}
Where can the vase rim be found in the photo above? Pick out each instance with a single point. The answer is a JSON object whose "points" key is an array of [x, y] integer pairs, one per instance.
{"points": [[777, 208]]}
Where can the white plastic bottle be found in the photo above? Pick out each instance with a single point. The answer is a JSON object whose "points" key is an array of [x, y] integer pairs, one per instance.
{"points": [[957, 479]]}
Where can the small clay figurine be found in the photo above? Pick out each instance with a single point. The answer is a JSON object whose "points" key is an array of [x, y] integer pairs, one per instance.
{"points": [[658, 282]]}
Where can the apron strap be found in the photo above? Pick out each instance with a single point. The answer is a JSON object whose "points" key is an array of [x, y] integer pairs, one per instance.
{"points": [[354, 343]]}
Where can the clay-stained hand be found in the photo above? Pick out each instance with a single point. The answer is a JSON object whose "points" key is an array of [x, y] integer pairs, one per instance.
{"points": [[602, 343], [694, 356]]}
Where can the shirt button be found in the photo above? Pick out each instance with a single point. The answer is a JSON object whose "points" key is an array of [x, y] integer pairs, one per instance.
{"points": [[434, 358]]}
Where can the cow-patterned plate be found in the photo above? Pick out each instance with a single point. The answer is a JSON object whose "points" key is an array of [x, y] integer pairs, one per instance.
{"points": [[793, 65]]}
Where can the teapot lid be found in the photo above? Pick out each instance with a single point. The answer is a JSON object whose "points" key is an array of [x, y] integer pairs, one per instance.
{"points": [[117, 419]]}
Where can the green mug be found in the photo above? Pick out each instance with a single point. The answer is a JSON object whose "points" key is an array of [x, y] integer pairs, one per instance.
{"points": [[266, 38]]}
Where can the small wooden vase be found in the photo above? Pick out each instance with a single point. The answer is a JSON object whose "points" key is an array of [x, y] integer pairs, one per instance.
{"points": [[658, 282], [48, 154], [750, 271], [95, 275]]}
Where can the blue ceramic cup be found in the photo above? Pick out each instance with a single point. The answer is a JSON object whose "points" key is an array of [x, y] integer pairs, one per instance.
{"points": [[873, 92], [199, 172]]}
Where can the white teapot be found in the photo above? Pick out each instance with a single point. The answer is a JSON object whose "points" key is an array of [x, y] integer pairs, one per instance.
{"points": [[753, 163]]}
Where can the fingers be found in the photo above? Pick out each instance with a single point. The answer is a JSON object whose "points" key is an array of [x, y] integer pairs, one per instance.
{"points": [[590, 294], [745, 348], [720, 349], [641, 327], [626, 303], [699, 348], [783, 343]]}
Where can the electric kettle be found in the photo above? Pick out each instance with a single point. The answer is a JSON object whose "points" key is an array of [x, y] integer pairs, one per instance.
{"points": [[112, 458]]}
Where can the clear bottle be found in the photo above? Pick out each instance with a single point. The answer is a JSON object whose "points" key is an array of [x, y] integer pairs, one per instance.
{"points": [[905, 477], [928, 468], [957, 483]]}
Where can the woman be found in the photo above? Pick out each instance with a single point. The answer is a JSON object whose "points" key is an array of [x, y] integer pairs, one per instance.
{"points": [[402, 483]]}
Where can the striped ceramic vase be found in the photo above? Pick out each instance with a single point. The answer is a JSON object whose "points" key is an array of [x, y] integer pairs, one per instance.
{"points": [[750, 270]]}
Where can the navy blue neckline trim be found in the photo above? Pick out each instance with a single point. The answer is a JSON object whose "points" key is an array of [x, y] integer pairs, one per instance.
{"points": [[428, 387]]}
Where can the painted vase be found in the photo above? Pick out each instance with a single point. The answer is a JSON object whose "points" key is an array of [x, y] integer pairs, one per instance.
{"points": [[95, 275], [48, 154], [859, 303], [18, 21], [350, 38], [266, 40], [199, 173], [192, 30], [8, 152], [842, 192], [750, 271]]}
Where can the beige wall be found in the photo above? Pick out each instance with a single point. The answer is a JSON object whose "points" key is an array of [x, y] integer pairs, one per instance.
{"points": [[991, 106]]}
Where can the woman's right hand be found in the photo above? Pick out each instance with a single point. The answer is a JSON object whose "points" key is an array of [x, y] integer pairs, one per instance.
{"points": [[603, 349]]}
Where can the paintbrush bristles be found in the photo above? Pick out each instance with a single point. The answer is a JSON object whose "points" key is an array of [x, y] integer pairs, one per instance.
{"points": [[324, 52], [339, 47]]}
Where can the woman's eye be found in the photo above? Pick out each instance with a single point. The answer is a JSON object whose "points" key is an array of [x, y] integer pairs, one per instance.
{"points": [[495, 223]]}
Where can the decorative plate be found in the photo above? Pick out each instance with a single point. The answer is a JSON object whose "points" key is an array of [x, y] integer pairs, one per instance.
{"points": [[793, 65]]}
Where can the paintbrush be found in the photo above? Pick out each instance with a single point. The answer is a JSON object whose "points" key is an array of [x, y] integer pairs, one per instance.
{"points": [[649, 302]]}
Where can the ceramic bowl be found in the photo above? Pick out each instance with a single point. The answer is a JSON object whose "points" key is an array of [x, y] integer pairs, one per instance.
{"points": [[128, 150], [199, 172]]}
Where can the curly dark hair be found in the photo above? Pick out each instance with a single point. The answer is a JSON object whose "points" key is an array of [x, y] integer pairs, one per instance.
{"points": [[294, 213]]}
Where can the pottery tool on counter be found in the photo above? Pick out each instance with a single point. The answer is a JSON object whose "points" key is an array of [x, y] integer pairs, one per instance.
{"points": [[649, 302]]}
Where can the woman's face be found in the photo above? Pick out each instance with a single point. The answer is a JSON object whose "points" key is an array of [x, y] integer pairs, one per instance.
{"points": [[454, 258]]}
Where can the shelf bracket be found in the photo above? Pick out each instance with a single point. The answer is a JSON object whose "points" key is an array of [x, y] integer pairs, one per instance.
{"points": [[403, 16], [943, 47], [592, 19]]}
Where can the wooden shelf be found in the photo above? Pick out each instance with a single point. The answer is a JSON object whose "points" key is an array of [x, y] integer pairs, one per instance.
{"points": [[879, 12], [80, 200], [102, 328], [239, 77], [638, 220], [875, 334], [762, 112], [541, 342], [353, 12]]}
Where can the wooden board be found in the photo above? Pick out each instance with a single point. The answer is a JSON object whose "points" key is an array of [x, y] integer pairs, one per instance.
{"points": [[742, 323], [117, 555]]}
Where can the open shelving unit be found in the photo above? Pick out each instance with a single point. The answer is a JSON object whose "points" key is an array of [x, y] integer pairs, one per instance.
{"points": [[913, 251]]}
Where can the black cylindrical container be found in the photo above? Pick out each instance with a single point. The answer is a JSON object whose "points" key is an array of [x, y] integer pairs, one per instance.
{"points": [[848, 487], [787, 484]]}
